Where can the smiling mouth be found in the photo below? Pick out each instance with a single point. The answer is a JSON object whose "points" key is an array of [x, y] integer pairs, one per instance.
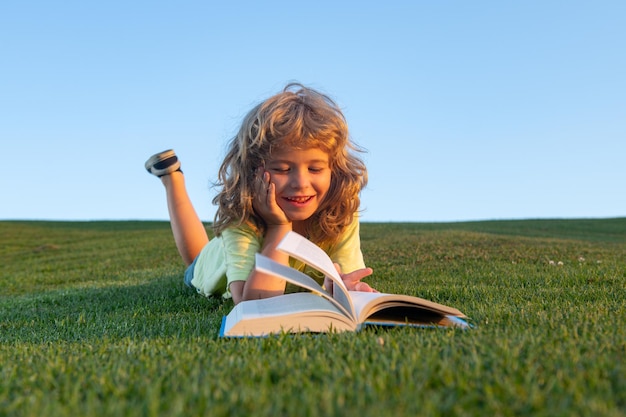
{"points": [[299, 200]]}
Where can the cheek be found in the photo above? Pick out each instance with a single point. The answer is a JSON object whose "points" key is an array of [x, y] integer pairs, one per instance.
{"points": [[323, 185], [278, 182]]}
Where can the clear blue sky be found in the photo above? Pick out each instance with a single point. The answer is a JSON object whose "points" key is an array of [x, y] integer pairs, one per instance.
{"points": [[468, 110]]}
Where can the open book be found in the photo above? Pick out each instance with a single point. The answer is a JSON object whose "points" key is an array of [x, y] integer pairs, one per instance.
{"points": [[319, 311]]}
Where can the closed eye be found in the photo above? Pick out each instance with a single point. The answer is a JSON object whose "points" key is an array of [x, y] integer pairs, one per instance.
{"points": [[280, 170]]}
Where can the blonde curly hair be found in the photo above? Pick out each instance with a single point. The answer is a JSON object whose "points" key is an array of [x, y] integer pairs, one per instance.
{"points": [[299, 118]]}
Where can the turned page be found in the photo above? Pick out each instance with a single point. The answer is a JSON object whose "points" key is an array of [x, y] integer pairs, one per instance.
{"points": [[308, 252], [293, 276], [302, 249]]}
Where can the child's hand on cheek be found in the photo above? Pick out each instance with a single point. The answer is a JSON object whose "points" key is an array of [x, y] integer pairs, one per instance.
{"points": [[264, 201]]}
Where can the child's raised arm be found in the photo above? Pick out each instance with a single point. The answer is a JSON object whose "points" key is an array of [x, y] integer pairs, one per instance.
{"points": [[261, 285]]}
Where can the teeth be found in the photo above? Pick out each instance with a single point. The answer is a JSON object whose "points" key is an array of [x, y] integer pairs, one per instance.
{"points": [[299, 199]]}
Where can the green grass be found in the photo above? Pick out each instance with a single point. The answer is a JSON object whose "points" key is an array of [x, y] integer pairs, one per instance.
{"points": [[95, 320]]}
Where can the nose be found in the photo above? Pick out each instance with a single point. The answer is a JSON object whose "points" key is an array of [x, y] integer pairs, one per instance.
{"points": [[299, 179]]}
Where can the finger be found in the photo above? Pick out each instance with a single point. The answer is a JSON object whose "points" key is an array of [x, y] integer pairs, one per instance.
{"points": [[363, 287], [328, 285], [271, 193], [260, 201], [358, 275], [258, 182], [261, 183], [264, 181]]}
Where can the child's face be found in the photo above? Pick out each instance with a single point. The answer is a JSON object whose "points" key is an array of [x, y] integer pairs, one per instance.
{"points": [[302, 179]]}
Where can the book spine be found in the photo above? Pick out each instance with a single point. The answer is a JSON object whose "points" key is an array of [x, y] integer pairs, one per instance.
{"points": [[222, 326]]}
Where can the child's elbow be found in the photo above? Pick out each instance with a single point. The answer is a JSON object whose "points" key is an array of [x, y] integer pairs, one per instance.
{"points": [[236, 291]]}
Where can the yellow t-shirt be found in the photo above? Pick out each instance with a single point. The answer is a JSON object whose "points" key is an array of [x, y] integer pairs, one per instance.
{"points": [[230, 257]]}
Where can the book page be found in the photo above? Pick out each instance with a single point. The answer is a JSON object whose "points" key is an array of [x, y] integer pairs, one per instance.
{"points": [[304, 250], [290, 312], [283, 305], [369, 304], [268, 266], [308, 252]]}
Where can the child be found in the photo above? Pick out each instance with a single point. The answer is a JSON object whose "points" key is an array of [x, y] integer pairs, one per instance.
{"points": [[291, 166]]}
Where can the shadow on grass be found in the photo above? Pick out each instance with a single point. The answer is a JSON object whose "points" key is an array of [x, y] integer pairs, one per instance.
{"points": [[162, 308]]}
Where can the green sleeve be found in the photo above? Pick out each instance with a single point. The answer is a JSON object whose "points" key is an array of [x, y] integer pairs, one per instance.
{"points": [[240, 246]]}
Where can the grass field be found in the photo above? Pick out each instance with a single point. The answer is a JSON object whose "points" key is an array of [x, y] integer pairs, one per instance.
{"points": [[95, 320]]}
